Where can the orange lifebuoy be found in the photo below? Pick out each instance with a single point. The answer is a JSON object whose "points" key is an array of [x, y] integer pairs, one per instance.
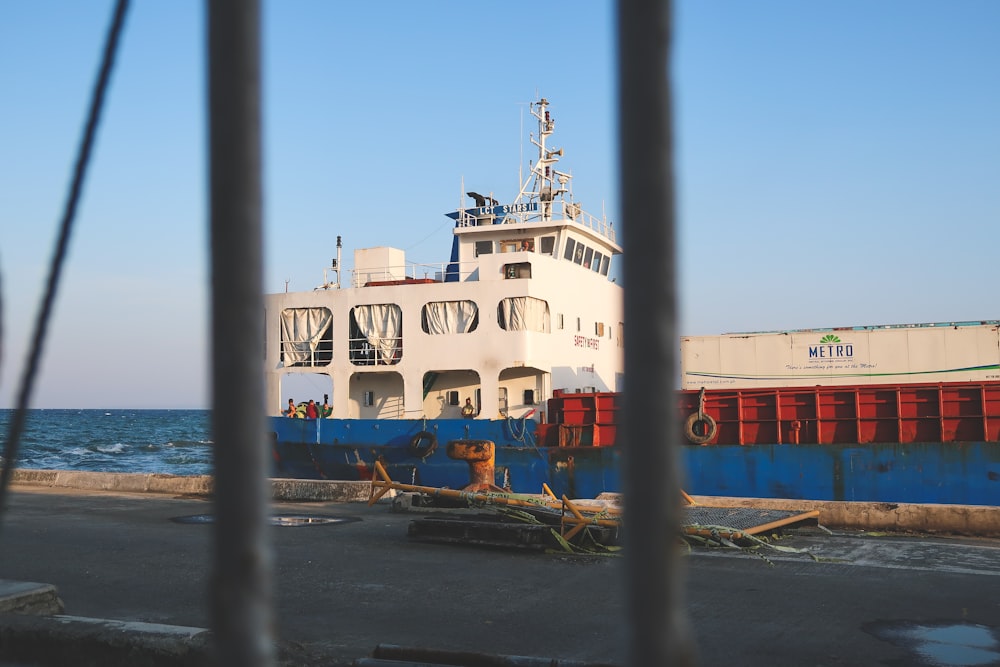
{"points": [[704, 433]]}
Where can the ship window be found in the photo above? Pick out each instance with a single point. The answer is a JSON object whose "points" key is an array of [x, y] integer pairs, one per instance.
{"points": [[519, 270], [523, 313], [376, 335], [621, 334], [578, 324], [452, 398], [597, 262], [599, 329], [587, 257], [570, 246], [484, 248], [578, 255], [448, 317], [548, 245], [604, 265], [559, 321], [306, 337], [529, 396], [523, 245], [369, 399]]}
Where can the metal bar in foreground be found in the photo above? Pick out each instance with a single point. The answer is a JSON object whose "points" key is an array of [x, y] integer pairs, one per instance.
{"points": [[654, 578], [241, 611]]}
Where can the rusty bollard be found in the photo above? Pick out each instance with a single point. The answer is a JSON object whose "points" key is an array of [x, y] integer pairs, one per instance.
{"points": [[480, 456]]}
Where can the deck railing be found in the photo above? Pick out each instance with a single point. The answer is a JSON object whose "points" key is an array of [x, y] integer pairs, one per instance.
{"points": [[553, 211]]}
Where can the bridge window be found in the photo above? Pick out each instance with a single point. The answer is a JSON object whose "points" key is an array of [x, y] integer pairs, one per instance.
{"points": [[547, 245], [596, 266], [484, 248], [570, 247], [518, 245]]}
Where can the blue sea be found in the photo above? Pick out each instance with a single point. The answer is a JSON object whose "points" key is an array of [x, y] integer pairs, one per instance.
{"points": [[145, 441]]}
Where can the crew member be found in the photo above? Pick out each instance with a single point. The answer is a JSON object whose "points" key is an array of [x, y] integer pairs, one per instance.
{"points": [[468, 410], [311, 412], [290, 412]]}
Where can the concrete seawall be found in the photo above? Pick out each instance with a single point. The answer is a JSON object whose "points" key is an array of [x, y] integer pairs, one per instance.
{"points": [[973, 520], [977, 520], [291, 490]]}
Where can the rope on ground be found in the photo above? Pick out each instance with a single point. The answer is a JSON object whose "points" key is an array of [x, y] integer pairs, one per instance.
{"points": [[717, 536]]}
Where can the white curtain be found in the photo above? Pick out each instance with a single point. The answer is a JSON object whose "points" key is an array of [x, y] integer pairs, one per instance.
{"points": [[301, 331], [524, 313], [382, 326], [443, 317]]}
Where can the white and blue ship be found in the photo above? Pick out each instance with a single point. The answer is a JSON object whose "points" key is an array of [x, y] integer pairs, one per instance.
{"points": [[524, 310]]}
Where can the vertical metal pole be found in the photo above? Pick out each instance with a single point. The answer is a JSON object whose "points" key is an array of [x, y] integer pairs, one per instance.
{"points": [[652, 490], [242, 617]]}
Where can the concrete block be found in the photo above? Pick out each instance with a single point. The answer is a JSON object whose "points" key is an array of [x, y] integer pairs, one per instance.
{"points": [[28, 597]]}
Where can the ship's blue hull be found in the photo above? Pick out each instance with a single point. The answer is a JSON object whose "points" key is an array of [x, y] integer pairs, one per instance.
{"points": [[950, 473], [348, 448], [961, 473]]}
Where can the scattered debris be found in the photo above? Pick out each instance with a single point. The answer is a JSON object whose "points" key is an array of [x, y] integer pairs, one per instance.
{"points": [[584, 526]]}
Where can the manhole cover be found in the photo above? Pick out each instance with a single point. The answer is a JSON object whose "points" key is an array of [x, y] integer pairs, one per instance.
{"points": [[305, 520], [285, 520]]}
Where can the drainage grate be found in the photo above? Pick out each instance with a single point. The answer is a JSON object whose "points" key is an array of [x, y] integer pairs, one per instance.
{"points": [[283, 520]]}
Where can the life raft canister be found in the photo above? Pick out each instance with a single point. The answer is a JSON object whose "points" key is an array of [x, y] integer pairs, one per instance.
{"points": [[423, 444], [699, 428]]}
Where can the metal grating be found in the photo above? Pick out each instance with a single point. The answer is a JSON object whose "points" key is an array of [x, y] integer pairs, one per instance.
{"points": [[745, 519]]}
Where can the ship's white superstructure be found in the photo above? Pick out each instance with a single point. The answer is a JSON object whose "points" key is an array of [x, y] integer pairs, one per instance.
{"points": [[523, 307]]}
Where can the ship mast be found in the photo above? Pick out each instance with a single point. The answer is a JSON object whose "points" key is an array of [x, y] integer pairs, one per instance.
{"points": [[541, 183]]}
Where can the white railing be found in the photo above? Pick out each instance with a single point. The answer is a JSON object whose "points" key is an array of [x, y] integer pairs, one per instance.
{"points": [[412, 271], [377, 352], [554, 210]]}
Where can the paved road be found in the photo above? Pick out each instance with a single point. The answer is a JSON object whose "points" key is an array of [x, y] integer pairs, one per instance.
{"points": [[341, 589]]}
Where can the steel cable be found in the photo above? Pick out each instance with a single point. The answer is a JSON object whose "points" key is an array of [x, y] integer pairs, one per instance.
{"points": [[16, 427]]}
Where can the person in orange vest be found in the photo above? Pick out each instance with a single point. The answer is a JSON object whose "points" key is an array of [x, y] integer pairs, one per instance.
{"points": [[311, 412]]}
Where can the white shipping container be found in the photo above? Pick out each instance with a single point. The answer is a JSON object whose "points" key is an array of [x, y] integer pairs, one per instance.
{"points": [[891, 354]]}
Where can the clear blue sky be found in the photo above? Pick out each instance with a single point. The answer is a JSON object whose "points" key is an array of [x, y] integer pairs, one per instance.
{"points": [[837, 162]]}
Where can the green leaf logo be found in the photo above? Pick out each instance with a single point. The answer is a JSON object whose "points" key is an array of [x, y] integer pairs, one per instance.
{"points": [[829, 338]]}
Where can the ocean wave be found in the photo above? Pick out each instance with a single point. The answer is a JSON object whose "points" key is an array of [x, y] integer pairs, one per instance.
{"points": [[145, 441], [188, 443]]}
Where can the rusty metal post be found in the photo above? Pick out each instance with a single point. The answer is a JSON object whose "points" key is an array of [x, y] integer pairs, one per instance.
{"points": [[481, 457], [651, 472], [242, 617]]}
